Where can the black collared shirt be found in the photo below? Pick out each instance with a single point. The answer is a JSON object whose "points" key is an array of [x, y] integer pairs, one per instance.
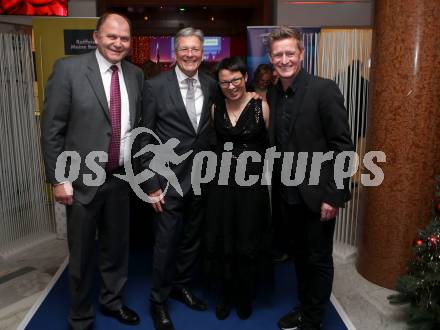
{"points": [[285, 102]]}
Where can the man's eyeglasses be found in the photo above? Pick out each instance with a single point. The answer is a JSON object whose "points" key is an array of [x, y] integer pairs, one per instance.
{"points": [[234, 82], [187, 50]]}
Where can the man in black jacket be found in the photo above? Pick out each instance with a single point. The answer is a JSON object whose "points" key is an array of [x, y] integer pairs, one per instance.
{"points": [[307, 117], [176, 104]]}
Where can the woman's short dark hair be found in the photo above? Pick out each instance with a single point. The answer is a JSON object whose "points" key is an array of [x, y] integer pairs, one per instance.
{"points": [[235, 63]]}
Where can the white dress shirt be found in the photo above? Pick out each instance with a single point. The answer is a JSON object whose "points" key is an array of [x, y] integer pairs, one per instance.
{"points": [[106, 75], [198, 94]]}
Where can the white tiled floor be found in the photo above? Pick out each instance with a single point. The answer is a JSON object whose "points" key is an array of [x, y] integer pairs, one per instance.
{"points": [[365, 303], [19, 294]]}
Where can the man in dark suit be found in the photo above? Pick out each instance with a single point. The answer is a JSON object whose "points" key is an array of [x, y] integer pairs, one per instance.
{"points": [[92, 102], [307, 115], [176, 104]]}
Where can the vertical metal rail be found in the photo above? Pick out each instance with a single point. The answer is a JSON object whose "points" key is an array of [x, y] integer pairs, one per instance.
{"points": [[345, 56], [26, 212]]}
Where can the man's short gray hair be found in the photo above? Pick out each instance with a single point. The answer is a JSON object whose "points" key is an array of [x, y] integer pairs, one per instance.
{"points": [[188, 32]]}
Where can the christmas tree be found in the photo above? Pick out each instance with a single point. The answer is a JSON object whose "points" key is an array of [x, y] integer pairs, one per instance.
{"points": [[420, 287]]}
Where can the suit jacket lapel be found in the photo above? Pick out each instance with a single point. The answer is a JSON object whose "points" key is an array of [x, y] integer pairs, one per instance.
{"points": [[206, 101], [272, 114], [130, 83], [95, 80]]}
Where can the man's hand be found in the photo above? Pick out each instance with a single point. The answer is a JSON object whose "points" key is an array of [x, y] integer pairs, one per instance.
{"points": [[157, 206], [63, 193], [328, 212]]}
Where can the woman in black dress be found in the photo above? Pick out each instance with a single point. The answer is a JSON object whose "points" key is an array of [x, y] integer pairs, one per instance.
{"points": [[237, 220]]}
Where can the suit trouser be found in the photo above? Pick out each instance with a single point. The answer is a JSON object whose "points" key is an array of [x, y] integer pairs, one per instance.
{"points": [[312, 252], [108, 216], [177, 243], [282, 238]]}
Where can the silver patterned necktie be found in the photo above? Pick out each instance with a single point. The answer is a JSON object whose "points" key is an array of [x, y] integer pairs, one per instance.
{"points": [[191, 102]]}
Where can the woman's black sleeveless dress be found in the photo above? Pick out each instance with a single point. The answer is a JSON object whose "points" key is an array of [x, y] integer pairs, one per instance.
{"points": [[237, 227]]}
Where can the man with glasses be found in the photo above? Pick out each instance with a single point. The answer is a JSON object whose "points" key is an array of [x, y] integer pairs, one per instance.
{"points": [[307, 115], [176, 105]]}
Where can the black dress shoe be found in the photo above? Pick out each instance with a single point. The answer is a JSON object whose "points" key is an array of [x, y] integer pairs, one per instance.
{"points": [[222, 310], [90, 327], [161, 318], [185, 296], [124, 315], [292, 320], [307, 327], [244, 310]]}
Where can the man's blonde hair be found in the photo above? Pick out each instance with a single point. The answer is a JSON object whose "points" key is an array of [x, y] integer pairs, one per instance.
{"points": [[284, 32]]}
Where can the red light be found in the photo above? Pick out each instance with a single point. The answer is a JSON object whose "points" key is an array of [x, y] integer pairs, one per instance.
{"points": [[34, 7], [325, 2]]}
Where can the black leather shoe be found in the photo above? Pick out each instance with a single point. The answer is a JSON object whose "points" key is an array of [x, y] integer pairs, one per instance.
{"points": [[185, 296], [292, 320], [222, 310], [90, 327], [307, 327], [244, 310], [161, 318], [124, 315]]}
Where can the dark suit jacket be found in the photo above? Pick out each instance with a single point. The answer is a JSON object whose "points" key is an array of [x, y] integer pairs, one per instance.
{"points": [[318, 124], [165, 114], [76, 115]]}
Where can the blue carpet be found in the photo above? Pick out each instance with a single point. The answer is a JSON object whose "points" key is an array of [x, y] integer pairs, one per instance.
{"points": [[269, 306]]}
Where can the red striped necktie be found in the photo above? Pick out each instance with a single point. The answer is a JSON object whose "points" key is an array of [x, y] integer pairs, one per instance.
{"points": [[115, 117]]}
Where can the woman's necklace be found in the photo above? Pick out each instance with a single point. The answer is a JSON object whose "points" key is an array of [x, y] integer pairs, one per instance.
{"points": [[234, 117], [234, 111]]}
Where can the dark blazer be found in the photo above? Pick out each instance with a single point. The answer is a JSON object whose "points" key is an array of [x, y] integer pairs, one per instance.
{"points": [[318, 124], [76, 115], [164, 112]]}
